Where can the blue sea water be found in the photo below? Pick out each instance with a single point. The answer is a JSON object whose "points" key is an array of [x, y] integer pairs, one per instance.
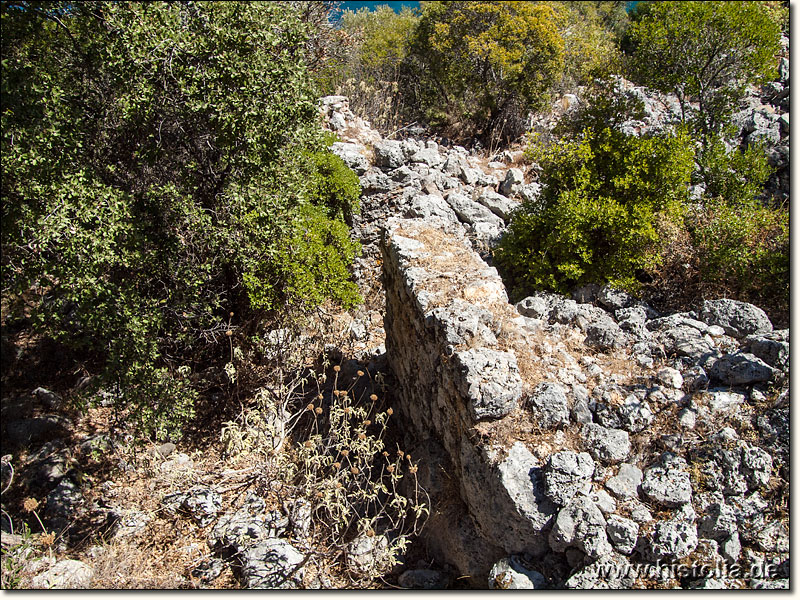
{"points": [[397, 6]]}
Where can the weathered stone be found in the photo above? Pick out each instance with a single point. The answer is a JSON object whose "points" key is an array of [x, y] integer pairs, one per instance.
{"points": [[65, 575], [605, 334], [566, 474], [670, 377], [738, 319], [388, 154], [512, 182], [428, 156], [470, 211], [611, 572], [606, 444], [510, 574], [625, 484], [614, 299], [498, 204], [674, 539], [604, 501], [740, 368], [37, 429], [548, 402], [695, 378], [368, 556], [667, 485], [773, 352], [235, 532], [490, 382], [352, 155], [202, 504], [622, 533], [272, 564], [581, 525], [424, 206]]}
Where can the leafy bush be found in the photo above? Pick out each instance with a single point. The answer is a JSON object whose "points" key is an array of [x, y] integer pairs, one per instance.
{"points": [[705, 52], [164, 168], [743, 252], [730, 174], [476, 68], [590, 31], [599, 214]]}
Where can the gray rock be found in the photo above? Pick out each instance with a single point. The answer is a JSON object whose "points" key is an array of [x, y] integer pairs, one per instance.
{"points": [[423, 579], [510, 574], [566, 474], [684, 340], [513, 181], [498, 204], [470, 211], [670, 377], [611, 572], [773, 352], [614, 299], [548, 402], [667, 485], [580, 411], [352, 155], [695, 378], [37, 429], [235, 532], [63, 505], [65, 575], [530, 193], [209, 570], [604, 501], [368, 556], [770, 584], [740, 368], [738, 319], [773, 537], [388, 154], [674, 539], [463, 323], [50, 400], [376, 182], [625, 484], [272, 564], [490, 382], [720, 400], [537, 306], [632, 415], [300, 517], [756, 466], [622, 533], [606, 444], [581, 525], [718, 523], [424, 206], [429, 157], [605, 334]]}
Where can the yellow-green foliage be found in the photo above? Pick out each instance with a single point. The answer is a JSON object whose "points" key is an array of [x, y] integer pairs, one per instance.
{"points": [[477, 62], [705, 51], [163, 167], [743, 251], [598, 219], [381, 39], [590, 41]]}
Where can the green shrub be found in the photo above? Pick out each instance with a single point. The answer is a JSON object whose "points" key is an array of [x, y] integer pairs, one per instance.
{"points": [[163, 168], [477, 68], [743, 252], [730, 174], [598, 218], [705, 52]]}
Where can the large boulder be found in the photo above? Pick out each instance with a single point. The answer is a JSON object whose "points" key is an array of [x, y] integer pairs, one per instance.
{"points": [[738, 319]]}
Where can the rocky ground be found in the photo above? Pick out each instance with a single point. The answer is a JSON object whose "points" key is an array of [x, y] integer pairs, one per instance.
{"points": [[677, 474]]}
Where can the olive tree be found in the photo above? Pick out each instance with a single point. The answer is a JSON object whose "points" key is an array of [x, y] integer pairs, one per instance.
{"points": [[704, 52], [162, 187]]}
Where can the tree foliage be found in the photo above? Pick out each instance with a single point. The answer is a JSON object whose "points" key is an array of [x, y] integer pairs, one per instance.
{"points": [[478, 66], [598, 219], [157, 180], [704, 52]]}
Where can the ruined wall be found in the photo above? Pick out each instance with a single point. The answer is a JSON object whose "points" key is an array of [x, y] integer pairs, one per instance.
{"points": [[445, 310]]}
